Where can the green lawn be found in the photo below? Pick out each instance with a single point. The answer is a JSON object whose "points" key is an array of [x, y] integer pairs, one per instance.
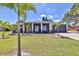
{"points": [[41, 45]]}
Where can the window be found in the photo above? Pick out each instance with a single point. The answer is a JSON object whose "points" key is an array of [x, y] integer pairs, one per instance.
{"points": [[44, 28], [36, 29]]}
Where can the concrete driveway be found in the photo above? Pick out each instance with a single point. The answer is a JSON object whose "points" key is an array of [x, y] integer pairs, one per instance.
{"points": [[70, 35]]}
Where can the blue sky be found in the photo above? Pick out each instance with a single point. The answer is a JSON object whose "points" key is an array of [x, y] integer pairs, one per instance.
{"points": [[54, 11]]}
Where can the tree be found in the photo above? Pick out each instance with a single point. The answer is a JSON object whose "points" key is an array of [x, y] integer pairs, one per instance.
{"points": [[4, 25], [20, 9], [24, 11], [57, 26], [72, 16], [28, 27]]}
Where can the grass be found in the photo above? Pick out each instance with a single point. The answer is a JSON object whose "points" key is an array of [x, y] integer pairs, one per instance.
{"points": [[41, 45], [51, 46], [7, 45]]}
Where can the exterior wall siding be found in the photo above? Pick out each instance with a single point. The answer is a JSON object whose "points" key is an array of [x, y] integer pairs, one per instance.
{"points": [[62, 28]]}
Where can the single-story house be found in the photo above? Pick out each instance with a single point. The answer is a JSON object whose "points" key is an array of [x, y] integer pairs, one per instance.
{"points": [[44, 26], [73, 28]]}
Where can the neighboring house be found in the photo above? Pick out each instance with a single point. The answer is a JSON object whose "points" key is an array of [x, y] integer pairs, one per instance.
{"points": [[44, 26], [73, 28]]}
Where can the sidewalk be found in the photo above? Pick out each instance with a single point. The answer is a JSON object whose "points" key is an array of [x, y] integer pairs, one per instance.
{"points": [[70, 35]]}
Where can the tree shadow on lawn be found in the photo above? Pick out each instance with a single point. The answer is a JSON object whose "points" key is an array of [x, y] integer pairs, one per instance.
{"points": [[63, 37], [7, 37]]}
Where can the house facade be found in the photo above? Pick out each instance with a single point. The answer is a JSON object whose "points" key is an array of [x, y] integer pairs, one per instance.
{"points": [[44, 26], [73, 28]]}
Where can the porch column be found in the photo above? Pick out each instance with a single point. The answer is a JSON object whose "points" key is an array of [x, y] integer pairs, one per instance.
{"points": [[50, 27], [41, 27], [32, 28], [66, 27]]}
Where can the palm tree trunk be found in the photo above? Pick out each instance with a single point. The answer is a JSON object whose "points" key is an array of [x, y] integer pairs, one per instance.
{"points": [[3, 33], [19, 46]]}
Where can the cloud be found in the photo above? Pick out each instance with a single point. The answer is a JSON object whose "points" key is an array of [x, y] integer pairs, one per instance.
{"points": [[42, 15], [50, 16], [55, 15], [50, 9], [34, 20], [57, 20]]}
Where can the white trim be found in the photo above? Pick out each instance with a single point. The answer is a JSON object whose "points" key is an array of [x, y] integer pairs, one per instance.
{"points": [[50, 27], [41, 27]]}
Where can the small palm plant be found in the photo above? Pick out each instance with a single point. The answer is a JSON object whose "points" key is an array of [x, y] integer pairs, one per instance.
{"points": [[28, 28], [57, 26]]}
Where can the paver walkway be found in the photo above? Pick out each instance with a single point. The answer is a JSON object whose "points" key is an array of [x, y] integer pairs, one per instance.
{"points": [[70, 35], [23, 54]]}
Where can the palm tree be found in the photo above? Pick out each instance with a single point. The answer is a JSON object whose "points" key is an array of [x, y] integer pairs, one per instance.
{"points": [[4, 25], [24, 11], [20, 9], [57, 26], [28, 27]]}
